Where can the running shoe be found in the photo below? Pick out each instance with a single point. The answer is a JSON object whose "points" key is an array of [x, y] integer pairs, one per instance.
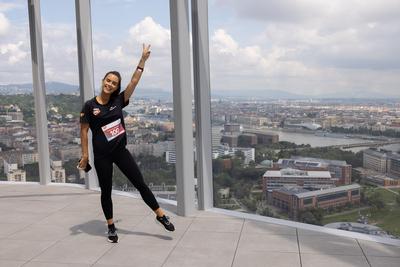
{"points": [[112, 236], [164, 222]]}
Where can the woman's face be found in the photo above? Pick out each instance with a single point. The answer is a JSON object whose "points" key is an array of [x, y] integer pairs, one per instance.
{"points": [[110, 83]]}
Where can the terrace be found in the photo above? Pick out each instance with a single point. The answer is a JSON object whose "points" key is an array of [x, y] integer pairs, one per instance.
{"points": [[60, 225]]}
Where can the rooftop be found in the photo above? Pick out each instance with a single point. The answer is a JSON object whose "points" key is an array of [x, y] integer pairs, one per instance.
{"points": [[326, 161], [59, 225], [328, 191], [297, 173]]}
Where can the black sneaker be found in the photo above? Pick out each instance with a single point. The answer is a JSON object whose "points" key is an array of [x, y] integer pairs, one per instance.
{"points": [[164, 221], [112, 236]]}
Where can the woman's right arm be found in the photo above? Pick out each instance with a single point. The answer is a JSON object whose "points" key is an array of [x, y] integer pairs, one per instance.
{"points": [[85, 147]]}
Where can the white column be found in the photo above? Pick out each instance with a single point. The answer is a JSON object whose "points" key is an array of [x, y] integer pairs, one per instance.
{"points": [[86, 73], [182, 95], [39, 90], [202, 98]]}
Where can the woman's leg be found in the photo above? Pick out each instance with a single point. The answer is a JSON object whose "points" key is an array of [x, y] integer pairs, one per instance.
{"points": [[104, 169], [125, 162]]}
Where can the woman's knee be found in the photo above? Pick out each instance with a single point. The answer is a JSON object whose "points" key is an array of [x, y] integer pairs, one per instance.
{"points": [[106, 195]]}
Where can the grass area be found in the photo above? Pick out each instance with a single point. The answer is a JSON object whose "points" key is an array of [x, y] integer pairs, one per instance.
{"points": [[349, 217], [395, 189], [387, 196], [388, 218]]}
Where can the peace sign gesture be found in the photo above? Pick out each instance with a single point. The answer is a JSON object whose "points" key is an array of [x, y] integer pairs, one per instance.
{"points": [[146, 52]]}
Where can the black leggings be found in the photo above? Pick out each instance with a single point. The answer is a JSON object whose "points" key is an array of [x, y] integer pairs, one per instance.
{"points": [[125, 162]]}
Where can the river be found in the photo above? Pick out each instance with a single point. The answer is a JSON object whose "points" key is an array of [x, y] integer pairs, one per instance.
{"points": [[320, 141]]}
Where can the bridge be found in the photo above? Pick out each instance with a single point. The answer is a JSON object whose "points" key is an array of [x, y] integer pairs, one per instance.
{"points": [[345, 146], [368, 144]]}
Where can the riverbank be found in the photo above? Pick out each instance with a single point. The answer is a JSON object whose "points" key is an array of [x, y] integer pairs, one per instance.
{"points": [[301, 136]]}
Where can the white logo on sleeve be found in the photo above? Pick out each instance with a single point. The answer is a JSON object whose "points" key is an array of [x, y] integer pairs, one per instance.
{"points": [[113, 129], [112, 107]]}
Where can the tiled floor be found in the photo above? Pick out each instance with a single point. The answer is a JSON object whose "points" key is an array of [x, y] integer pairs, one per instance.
{"points": [[59, 226]]}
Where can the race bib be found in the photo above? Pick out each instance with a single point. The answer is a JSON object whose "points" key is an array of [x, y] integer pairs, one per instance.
{"points": [[113, 129]]}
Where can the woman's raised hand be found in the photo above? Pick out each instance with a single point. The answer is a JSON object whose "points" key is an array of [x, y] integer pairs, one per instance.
{"points": [[146, 52]]}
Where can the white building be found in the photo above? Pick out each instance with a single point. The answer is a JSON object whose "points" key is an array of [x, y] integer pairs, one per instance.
{"points": [[9, 166], [170, 156], [29, 158], [249, 152], [57, 171], [16, 176]]}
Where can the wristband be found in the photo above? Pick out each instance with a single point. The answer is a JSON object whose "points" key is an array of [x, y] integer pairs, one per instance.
{"points": [[140, 68]]}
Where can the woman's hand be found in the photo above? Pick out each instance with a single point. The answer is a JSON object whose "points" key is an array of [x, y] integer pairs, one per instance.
{"points": [[83, 162], [146, 52]]}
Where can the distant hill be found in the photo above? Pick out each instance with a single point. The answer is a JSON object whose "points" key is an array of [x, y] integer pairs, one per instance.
{"points": [[257, 94], [51, 88], [56, 88], [153, 93]]}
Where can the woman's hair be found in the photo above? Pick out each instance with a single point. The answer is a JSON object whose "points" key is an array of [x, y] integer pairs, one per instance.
{"points": [[116, 73]]}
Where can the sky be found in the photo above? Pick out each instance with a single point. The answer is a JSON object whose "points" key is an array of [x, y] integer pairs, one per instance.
{"points": [[316, 48]]}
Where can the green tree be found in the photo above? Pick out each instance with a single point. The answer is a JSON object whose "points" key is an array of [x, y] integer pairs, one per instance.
{"points": [[224, 180], [376, 200], [312, 216], [265, 211], [250, 203]]}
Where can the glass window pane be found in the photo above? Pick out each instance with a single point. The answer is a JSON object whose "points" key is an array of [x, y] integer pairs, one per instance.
{"points": [[62, 89], [18, 147], [299, 95], [149, 116]]}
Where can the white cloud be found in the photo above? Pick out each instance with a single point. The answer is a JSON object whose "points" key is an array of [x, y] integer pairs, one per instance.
{"points": [[308, 47], [314, 47], [10, 6], [125, 55], [4, 24], [237, 67], [13, 52], [106, 54], [60, 52], [224, 43], [149, 32]]}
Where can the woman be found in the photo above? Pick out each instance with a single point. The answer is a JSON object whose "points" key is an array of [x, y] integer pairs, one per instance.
{"points": [[103, 115]]}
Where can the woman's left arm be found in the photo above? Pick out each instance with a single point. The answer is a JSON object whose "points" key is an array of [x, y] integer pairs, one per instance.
{"points": [[137, 74]]}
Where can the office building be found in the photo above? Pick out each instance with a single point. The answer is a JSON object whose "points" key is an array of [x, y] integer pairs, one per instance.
{"points": [[295, 199], [340, 170], [314, 180]]}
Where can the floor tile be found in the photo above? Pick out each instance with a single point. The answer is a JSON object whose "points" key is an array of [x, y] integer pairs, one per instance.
{"points": [[22, 249], [312, 260], [329, 245], [377, 249], [185, 256], [136, 255], [384, 261], [253, 227], [80, 249], [267, 242], [216, 225], [266, 258]]}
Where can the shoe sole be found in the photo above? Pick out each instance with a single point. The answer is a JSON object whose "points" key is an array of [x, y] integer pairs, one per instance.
{"points": [[166, 230], [112, 241]]}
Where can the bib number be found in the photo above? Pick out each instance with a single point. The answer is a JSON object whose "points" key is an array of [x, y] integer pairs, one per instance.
{"points": [[113, 130]]}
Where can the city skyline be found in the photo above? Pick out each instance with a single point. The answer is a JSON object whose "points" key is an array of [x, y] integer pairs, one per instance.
{"points": [[339, 48]]}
